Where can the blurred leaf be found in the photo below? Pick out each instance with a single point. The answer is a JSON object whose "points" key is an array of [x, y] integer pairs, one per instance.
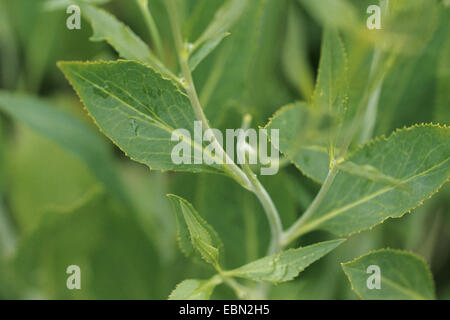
{"points": [[295, 123], [412, 82], [147, 192], [62, 4], [194, 233], [116, 259], [138, 110], [206, 48], [295, 59], [332, 13], [404, 275], [331, 89], [244, 72], [69, 133], [286, 265], [39, 182], [218, 29], [223, 20], [418, 156], [193, 289]]}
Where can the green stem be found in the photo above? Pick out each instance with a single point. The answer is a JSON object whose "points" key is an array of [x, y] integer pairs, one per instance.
{"points": [[270, 209], [229, 166], [153, 29], [296, 229]]}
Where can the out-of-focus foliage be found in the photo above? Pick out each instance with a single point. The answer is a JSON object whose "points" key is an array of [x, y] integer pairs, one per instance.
{"points": [[69, 196]]}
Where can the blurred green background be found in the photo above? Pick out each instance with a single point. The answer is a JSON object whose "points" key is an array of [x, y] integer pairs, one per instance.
{"points": [[74, 198]]}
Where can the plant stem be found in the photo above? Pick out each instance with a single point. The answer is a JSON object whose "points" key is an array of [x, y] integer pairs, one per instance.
{"points": [[296, 229], [153, 29], [229, 166], [270, 209]]}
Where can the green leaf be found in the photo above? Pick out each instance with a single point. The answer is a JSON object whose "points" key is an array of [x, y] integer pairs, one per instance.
{"points": [[286, 265], [194, 233], [129, 46], [223, 20], [193, 289], [368, 172], [404, 275], [63, 4], [331, 91], [332, 13], [295, 59], [61, 182], [138, 110], [205, 49], [69, 133], [104, 240], [244, 71], [295, 122], [418, 157]]}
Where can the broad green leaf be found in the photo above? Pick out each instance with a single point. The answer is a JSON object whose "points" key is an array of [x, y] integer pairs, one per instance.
{"points": [[138, 110], [295, 123], [69, 133], [194, 233], [129, 46], [193, 289], [286, 265], [404, 275], [418, 157]]}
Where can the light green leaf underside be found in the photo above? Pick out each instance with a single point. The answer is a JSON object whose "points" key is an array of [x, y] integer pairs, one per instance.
{"points": [[293, 122], [67, 132], [193, 289], [286, 265], [194, 233], [137, 109], [418, 156], [404, 275]]}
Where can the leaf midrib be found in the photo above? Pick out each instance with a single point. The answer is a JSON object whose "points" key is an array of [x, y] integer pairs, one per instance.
{"points": [[333, 213], [153, 122]]}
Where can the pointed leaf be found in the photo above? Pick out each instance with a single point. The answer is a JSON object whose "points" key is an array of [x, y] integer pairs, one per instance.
{"points": [[193, 289], [418, 157], [129, 46], [294, 123], [203, 238], [403, 275], [286, 265], [205, 49], [138, 110]]}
